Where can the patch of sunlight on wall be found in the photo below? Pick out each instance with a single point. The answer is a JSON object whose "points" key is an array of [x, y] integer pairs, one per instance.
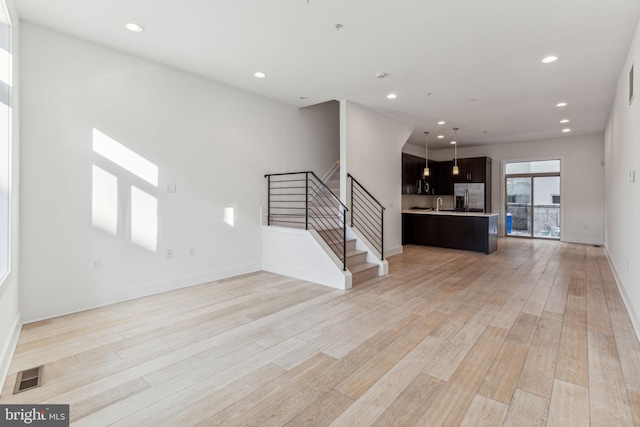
{"points": [[104, 201], [5, 67], [144, 219], [229, 215], [124, 157]]}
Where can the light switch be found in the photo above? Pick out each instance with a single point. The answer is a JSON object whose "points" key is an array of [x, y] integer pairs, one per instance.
{"points": [[170, 187]]}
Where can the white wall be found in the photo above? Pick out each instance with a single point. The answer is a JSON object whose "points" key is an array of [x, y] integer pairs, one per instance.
{"points": [[371, 151], [9, 295], [214, 142], [622, 198], [582, 175]]}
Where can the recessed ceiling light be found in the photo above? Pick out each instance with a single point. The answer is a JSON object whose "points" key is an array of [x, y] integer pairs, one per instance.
{"points": [[452, 143], [260, 75], [566, 130], [561, 104], [392, 96], [550, 59], [132, 26], [564, 121], [440, 136], [441, 122]]}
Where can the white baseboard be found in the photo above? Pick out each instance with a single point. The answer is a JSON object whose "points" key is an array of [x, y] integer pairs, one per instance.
{"points": [[581, 240], [8, 350], [393, 251], [59, 309], [309, 276], [635, 319]]}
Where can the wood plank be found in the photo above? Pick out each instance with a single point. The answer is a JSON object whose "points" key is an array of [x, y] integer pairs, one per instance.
{"points": [[323, 411], [607, 393], [484, 412], [407, 408], [451, 402], [527, 410], [356, 384], [538, 371], [500, 381], [572, 364], [569, 405], [200, 410], [378, 398]]}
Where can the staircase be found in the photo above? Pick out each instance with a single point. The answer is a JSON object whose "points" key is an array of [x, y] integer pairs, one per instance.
{"points": [[357, 264], [360, 269], [302, 200]]}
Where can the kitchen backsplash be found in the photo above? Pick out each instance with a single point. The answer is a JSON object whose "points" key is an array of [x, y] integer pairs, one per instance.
{"points": [[414, 200]]}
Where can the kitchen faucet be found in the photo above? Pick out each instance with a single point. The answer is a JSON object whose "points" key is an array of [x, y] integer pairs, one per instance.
{"points": [[438, 204]]}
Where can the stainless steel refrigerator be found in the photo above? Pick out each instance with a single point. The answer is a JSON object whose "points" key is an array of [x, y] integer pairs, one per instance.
{"points": [[469, 197]]}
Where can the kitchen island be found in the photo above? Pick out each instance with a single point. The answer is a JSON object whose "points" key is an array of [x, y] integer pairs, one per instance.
{"points": [[470, 231]]}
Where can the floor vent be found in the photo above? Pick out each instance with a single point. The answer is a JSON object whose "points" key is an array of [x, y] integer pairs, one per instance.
{"points": [[28, 379]]}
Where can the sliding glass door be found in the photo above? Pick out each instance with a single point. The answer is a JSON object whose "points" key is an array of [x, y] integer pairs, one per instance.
{"points": [[533, 199]]}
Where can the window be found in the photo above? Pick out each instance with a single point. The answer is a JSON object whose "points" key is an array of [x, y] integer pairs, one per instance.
{"points": [[533, 199]]}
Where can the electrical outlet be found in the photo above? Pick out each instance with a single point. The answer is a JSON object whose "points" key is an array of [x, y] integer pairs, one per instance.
{"points": [[169, 253], [170, 187], [192, 251], [97, 265]]}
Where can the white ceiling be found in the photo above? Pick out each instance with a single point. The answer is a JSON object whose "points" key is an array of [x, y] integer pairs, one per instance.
{"points": [[454, 50]]}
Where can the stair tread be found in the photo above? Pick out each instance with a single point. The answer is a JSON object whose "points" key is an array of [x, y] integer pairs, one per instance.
{"points": [[355, 252], [362, 267]]}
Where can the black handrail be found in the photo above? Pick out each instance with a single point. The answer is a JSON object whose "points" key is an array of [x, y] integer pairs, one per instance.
{"points": [[372, 213], [301, 199]]}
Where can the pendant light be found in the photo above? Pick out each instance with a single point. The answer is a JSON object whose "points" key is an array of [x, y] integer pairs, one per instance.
{"points": [[425, 172], [455, 153]]}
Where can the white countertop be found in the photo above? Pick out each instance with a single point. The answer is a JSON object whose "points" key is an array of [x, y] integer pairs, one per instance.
{"points": [[453, 213]]}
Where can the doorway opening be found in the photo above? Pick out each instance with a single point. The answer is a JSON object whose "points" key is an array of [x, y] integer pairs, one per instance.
{"points": [[533, 199]]}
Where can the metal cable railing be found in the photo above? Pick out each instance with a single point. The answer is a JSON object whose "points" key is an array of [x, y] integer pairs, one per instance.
{"points": [[367, 215], [302, 200]]}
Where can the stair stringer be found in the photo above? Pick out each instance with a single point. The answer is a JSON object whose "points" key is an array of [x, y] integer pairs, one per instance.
{"points": [[302, 254]]}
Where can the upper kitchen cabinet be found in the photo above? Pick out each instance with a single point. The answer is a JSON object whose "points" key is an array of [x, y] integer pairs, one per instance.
{"points": [[474, 169], [410, 166], [445, 178], [412, 179]]}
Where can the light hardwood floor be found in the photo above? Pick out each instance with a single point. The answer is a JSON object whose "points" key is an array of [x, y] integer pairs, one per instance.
{"points": [[534, 334]]}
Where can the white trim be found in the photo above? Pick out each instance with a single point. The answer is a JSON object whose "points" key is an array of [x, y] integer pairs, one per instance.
{"points": [[393, 251], [94, 301], [635, 318], [8, 351], [304, 255]]}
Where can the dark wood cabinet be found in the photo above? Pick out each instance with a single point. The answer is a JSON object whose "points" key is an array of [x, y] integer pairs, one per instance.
{"points": [[468, 232], [441, 179], [412, 180], [445, 176], [473, 169]]}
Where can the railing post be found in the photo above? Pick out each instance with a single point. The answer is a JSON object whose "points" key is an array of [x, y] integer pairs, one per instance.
{"points": [[382, 234], [269, 200], [351, 204], [306, 201], [344, 241]]}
